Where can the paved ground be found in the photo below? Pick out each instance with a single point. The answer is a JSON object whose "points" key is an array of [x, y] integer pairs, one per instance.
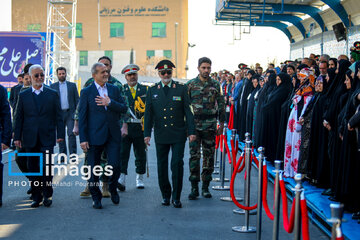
{"points": [[138, 216]]}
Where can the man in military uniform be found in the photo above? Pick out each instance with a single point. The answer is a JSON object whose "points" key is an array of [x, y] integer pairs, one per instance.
{"points": [[105, 187], [208, 105], [167, 106], [135, 94]]}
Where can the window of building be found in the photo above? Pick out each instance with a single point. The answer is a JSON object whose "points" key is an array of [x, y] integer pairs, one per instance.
{"points": [[150, 53], [167, 54], [159, 29], [116, 29], [83, 58], [78, 31], [34, 27], [109, 53]]}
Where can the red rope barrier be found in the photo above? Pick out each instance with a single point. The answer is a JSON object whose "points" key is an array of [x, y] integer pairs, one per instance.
{"points": [[233, 151], [288, 224], [241, 159], [264, 192], [231, 118], [232, 190], [228, 153], [217, 141], [221, 140], [237, 146], [305, 217]]}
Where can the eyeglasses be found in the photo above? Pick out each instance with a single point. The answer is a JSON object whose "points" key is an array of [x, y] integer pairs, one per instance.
{"points": [[168, 72], [39, 74]]}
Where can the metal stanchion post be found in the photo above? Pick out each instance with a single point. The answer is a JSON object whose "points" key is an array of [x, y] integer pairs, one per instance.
{"points": [[233, 162], [297, 222], [337, 212], [216, 162], [246, 228], [222, 186], [261, 150], [277, 200], [247, 160]]}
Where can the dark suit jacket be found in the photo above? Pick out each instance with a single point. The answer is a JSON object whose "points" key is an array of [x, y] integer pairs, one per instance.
{"points": [[43, 121], [73, 95], [14, 94], [167, 114], [5, 118], [96, 123], [135, 129]]}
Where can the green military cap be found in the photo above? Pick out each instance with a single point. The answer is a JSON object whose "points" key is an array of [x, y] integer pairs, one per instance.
{"points": [[130, 68]]}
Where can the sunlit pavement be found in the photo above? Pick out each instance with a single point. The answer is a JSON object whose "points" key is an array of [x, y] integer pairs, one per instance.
{"points": [[139, 215]]}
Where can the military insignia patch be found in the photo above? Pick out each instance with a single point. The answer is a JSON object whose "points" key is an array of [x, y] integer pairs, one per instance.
{"points": [[176, 98]]}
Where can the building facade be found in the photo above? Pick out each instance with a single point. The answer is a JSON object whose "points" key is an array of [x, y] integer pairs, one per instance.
{"points": [[141, 31]]}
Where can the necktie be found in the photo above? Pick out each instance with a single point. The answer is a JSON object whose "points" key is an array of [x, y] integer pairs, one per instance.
{"points": [[166, 90], [133, 92]]}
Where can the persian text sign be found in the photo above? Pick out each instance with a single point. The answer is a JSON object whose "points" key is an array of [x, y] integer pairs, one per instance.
{"points": [[129, 12], [16, 50]]}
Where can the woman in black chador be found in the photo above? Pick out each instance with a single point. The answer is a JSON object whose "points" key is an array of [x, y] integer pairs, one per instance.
{"points": [[336, 90], [318, 161], [262, 98], [251, 104], [272, 113]]}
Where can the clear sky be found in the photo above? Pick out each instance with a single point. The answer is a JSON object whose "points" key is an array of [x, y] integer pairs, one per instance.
{"points": [[262, 45]]}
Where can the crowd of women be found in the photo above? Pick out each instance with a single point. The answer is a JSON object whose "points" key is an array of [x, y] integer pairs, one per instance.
{"points": [[305, 113]]}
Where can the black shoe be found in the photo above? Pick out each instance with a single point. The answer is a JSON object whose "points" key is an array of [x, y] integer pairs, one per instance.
{"points": [[97, 204], [29, 191], [327, 192], [176, 204], [356, 216], [47, 202], [121, 187], [165, 202], [35, 204], [115, 197], [194, 193], [333, 198], [0, 203]]}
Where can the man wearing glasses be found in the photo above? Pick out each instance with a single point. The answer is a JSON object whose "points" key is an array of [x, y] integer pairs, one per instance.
{"points": [[167, 107], [38, 127]]}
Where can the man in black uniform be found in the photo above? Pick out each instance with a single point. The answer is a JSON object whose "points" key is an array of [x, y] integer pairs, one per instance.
{"points": [[135, 94], [167, 106]]}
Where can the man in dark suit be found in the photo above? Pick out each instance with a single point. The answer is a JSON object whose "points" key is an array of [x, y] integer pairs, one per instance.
{"points": [[69, 98], [135, 94], [15, 90], [38, 126], [167, 104], [100, 109], [5, 131]]}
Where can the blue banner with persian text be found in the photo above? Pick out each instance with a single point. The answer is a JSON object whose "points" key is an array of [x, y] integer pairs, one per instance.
{"points": [[16, 50]]}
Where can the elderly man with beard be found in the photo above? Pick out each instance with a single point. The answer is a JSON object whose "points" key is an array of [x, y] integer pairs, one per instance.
{"points": [[168, 111], [208, 105], [38, 127], [135, 94]]}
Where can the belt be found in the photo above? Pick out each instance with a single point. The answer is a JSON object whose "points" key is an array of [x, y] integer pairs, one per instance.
{"points": [[205, 116]]}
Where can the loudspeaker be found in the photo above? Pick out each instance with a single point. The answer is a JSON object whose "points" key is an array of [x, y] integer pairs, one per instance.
{"points": [[340, 31]]}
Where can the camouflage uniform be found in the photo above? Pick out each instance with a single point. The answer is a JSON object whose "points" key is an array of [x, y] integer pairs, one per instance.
{"points": [[207, 104], [118, 84]]}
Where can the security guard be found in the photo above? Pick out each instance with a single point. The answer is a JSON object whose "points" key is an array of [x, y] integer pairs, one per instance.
{"points": [[208, 105], [167, 106], [135, 94]]}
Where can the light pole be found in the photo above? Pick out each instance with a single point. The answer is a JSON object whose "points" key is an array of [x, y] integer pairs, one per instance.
{"points": [[176, 69]]}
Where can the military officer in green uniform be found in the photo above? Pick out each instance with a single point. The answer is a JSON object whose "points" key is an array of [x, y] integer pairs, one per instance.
{"points": [[208, 105], [168, 111], [107, 62], [135, 94]]}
